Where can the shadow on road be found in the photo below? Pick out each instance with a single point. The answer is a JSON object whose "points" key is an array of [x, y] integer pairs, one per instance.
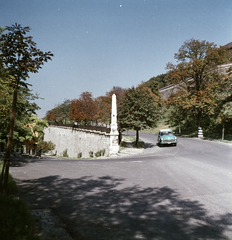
{"points": [[18, 161], [100, 208], [149, 145]]}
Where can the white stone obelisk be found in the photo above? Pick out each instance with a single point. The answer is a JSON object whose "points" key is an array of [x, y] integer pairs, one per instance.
{"points": [[114, 147]]}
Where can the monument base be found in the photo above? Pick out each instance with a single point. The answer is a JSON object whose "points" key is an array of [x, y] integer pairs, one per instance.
{"points": [[114, 147]]}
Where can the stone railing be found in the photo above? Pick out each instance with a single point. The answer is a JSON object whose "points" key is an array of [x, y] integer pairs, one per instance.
{"points": [[87, 127]]}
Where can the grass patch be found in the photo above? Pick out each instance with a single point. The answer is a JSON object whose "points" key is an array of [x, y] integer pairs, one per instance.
{"points": [[15, 218], [161, 125]]}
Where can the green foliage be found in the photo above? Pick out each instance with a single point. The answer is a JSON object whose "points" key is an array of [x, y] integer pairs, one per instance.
{"points": [[24, 116], [155, 83], [100, 153], [19, 54], [19, 57], [198, 81], [65, 153], [139, 110], [79, 155], [15, 218], [91, 154]]}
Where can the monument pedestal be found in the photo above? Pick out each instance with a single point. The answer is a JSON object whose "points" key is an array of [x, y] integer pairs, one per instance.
{"points": [[114, 147]]}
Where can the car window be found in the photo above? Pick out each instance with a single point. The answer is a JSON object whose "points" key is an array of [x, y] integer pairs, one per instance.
{"points": [[165, 133]]}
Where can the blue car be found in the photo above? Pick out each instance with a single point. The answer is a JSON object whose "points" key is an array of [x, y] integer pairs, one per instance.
{"points": [[166, 137]]}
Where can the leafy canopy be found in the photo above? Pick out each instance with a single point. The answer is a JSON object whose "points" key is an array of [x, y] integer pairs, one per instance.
{"points": [[19, 54], [196, 77]]}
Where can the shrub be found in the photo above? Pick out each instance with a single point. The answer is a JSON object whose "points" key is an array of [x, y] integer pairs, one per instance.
{"points": [[65, 153], [79, 155], [91, 154], [47, 146], [100, 153]]}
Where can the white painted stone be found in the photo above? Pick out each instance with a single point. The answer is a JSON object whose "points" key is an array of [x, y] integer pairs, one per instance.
{"points": [[200, 132], [114, 146]]}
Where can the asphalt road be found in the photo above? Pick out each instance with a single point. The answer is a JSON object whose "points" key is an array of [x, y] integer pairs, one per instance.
{"points": [[181, 192]]}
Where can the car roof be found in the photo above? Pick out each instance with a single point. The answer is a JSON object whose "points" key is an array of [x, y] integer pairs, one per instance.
{"points": [[165, 130]]}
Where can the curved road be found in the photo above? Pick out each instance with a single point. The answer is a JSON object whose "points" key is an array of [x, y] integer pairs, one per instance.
{"points": [[181, 192]]}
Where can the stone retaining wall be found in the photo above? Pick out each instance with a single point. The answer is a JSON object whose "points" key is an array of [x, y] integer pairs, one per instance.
{"points": [[77, 141]]}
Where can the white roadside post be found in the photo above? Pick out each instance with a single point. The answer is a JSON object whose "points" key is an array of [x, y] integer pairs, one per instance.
{"points": [[200, 132], [114, 146]]}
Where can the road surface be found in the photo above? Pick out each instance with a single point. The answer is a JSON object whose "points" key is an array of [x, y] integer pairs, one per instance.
{"points": [[181, 192]]}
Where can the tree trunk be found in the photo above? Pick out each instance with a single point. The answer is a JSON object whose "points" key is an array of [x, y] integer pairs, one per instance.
{"points": [[2, 174], [199, 118], [223, 131], [137, 139], [179, 129], [119, 137], [9, 143]]}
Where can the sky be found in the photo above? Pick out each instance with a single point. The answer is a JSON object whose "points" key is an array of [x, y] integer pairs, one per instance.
{"points": [[98, 44]]}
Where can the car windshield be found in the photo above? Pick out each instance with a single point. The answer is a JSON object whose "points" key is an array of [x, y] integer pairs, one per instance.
{"points": [[166, 133]]}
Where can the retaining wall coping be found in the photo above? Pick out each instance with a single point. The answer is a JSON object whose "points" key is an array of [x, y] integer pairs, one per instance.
{"points": [[83, 130]]}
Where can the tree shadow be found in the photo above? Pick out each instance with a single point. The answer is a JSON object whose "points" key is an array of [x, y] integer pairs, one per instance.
{"points": [[149, 145], [19, 161], [101, 208]]}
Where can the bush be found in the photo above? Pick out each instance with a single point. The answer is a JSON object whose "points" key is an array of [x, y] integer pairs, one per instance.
{"points": [[79, 155], [100, 153], [47, 146], [65, 153], [91, 154]]}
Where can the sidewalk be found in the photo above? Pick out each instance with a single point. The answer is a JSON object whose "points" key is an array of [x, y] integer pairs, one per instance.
{"points": [[129, 150]]}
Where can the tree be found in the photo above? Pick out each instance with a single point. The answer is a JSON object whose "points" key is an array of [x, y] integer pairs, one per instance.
{"points": [[224, 101], [119, 92], [83, 109], [103, 103], [37, 127], [157, 82], [26, 108], [60, 113], [51, 115], [195, 76], [139, 110], [64, 109], [19, 57], [103, 106], [225, 114]]}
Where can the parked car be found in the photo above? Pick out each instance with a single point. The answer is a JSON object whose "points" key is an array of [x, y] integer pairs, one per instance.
{"points": [[166, 137]]}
